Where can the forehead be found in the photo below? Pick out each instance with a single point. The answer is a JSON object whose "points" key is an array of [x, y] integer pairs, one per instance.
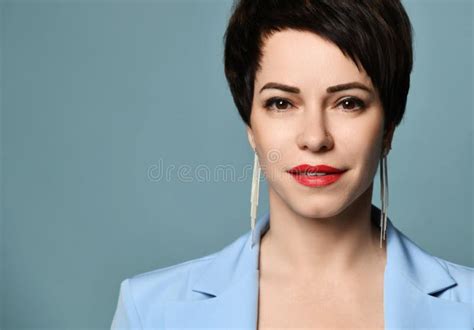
{"points": [[305, 58]]}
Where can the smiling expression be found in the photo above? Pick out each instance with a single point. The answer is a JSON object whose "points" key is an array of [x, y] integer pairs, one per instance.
{"points": [[312, 105]]}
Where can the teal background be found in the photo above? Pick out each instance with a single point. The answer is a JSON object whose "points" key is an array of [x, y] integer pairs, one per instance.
{"points": [[96, 94]]}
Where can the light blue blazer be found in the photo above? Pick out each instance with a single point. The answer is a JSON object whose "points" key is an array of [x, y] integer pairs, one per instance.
{"points": [[220, 290]]}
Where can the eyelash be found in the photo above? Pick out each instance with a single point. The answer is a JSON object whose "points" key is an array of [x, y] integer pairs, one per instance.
{"points": [[273, 100]]}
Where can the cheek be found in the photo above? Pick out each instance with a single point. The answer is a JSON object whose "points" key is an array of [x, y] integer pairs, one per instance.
{"points": [[363, 143], [273, 143]]}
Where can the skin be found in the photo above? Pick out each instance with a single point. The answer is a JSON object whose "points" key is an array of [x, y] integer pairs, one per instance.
{"points": [[322, 251]]}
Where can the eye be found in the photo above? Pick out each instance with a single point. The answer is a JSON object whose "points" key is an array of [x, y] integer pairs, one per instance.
{"points": [[279, 102], [352, 104]]}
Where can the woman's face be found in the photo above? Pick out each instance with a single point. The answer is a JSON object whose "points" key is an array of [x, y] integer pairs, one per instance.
{"points": [[315, 123]]}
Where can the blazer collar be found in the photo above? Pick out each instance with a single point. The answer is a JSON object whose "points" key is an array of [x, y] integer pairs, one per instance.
{"points": [[412, 278]]}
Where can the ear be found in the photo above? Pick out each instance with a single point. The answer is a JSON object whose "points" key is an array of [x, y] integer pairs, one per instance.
{"points": [[250, 137], [388, 136]]}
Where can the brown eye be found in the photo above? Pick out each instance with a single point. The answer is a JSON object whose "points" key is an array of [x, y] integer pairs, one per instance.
{"points": [[352, 104], [280, 104]]}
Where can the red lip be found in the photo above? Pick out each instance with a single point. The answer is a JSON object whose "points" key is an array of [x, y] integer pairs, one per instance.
{"points": [[300, 174], [305, 168]]}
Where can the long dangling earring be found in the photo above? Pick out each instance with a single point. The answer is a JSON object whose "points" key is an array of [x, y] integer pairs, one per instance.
{"points": [[383, 197], [254, 193]]}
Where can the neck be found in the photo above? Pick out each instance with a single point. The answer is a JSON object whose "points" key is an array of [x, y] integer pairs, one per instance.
{"points": [[306, 247]]}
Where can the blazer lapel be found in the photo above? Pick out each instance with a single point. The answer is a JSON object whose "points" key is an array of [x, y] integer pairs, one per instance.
{"points": [[228, 289], [412, 280], [410, 307]]}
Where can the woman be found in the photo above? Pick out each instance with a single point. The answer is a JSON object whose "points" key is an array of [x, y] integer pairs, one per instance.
{"points": [[321, 86]]}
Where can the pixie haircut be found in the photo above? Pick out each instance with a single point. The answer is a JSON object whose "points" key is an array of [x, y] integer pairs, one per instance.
{"points": [[375, 34]]}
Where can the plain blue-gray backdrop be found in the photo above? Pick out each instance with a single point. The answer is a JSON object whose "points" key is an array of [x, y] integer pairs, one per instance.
{"points": [[99, 97]]}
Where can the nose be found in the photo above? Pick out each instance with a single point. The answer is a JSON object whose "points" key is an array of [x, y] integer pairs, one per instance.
{"points": [[313, 135]]}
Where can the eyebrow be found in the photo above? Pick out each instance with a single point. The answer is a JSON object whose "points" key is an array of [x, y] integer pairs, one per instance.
{"points": [[330, 89]]}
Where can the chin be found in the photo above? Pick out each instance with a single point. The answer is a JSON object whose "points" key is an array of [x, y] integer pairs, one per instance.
{"points": [[319, 209]]}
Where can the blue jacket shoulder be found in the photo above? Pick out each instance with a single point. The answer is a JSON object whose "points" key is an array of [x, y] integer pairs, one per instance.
{"points": [[142, 297], [464, 276], [168, 283]]}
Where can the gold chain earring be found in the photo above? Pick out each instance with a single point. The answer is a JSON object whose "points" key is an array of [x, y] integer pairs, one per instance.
{"points": [[254, 194], [383, 196]]}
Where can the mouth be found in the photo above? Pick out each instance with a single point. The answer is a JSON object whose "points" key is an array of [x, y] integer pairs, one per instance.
{"points": [[316, 176], [311, 174], [313, 171]]}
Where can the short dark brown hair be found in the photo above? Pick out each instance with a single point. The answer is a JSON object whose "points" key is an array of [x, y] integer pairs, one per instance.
{"points": [[376, 34]]}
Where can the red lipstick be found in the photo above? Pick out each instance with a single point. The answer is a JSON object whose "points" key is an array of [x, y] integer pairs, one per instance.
{"points": [[316, 176]]}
